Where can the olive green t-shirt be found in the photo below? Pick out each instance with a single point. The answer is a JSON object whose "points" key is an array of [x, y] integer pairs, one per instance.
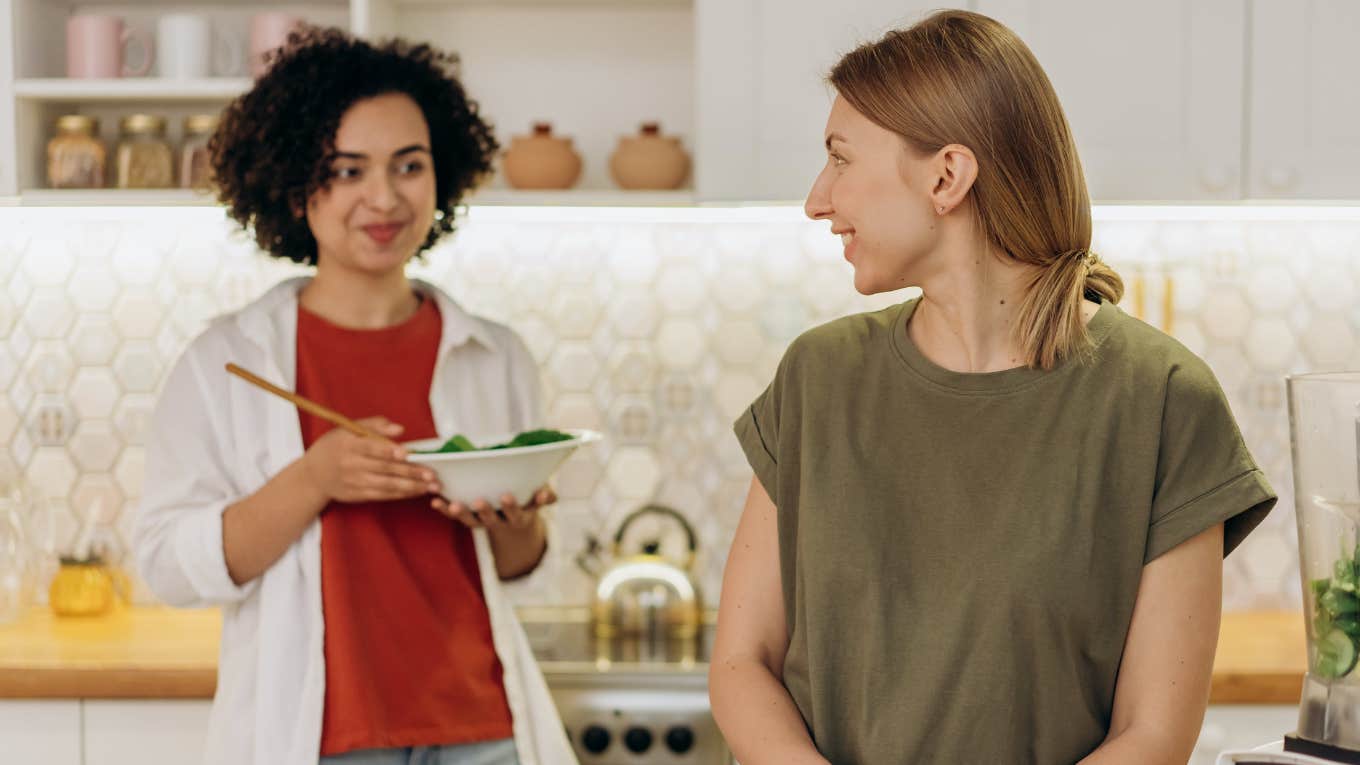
{"points": [[960, 553]]}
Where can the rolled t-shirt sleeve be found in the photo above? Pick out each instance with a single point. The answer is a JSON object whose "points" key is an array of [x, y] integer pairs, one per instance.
{"points": [[757, 431], [1205, 474]]}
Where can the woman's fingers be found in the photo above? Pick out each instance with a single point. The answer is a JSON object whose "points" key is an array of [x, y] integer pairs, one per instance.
{"points": [[486, 514], [392, 480], [457, 511], [512, 514]]}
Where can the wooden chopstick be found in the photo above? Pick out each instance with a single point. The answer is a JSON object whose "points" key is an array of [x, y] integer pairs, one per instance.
{"points": [[308, 405]]}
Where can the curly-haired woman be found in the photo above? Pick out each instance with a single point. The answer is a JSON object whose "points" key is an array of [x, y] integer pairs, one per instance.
{"points": [[363, 619]]}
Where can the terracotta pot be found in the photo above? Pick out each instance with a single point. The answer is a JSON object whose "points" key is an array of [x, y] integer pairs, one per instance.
{"points": [[541, 160], [649, 161]]}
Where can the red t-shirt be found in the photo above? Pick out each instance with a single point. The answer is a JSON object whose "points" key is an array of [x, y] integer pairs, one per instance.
{"points": [[409, 656]]}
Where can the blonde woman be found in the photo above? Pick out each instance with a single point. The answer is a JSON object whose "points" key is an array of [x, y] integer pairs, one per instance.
{"points": [[986, 525]]}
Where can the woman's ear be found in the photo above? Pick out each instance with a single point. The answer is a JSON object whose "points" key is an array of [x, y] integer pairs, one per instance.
{"points": [[955, 169]]}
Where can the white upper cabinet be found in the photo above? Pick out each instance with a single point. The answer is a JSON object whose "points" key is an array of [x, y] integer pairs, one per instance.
{"points": [[1153, 90], [1304, 115], [761, 92]]}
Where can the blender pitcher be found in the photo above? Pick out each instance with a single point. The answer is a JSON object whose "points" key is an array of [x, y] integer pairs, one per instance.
{"points": [[1324, 413]]}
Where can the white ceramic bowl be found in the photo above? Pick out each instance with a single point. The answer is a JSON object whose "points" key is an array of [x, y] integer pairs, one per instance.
{"points": [[521, 470]]}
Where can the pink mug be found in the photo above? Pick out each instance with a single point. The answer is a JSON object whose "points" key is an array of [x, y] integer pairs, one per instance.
{"points": [[95, 44], [268, 32]]}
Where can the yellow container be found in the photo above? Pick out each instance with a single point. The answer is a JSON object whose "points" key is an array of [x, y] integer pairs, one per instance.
{"points": [[83, 589]]}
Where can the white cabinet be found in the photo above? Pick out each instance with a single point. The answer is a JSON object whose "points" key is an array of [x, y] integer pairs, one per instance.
{"points": [[1305, 109], [40, 732], [145, 732], [1153, 90], [762, 97], [94, 732]]}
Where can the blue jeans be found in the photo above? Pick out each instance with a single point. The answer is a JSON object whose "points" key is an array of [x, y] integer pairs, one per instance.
{"points": [[500, 752]]}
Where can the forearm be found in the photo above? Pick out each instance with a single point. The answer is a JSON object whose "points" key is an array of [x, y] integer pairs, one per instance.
{"points": [[757, 716], [258, 529], [1137, 747], [518, 551]]}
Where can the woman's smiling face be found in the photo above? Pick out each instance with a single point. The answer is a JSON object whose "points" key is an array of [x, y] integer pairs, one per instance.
{"points": [[877, 194], [378, 205]]}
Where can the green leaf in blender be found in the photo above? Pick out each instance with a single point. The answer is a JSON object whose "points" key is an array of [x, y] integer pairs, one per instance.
{"points": [[1320, 587], [1338, 602], [1335, 655], [1349, 624]]}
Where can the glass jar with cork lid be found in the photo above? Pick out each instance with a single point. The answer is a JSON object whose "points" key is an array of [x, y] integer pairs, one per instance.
{"points": [[76, 158], [195, 162], [144, 158]]}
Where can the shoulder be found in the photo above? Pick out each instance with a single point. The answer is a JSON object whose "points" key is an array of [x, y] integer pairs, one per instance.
{"points": [[842, 341], [1149, 357]]}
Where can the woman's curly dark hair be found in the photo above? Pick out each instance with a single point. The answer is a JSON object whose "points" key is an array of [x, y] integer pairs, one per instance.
{"points": [[271, 150]]}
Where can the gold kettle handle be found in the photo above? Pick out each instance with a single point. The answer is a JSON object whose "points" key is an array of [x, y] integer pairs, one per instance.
{"points": [[658, 510]]}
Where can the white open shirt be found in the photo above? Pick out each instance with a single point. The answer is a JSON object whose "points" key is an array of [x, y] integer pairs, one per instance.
{"points": [[215, 439]]}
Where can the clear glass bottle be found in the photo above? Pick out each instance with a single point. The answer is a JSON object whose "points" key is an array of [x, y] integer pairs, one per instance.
{"points": [[76, 158], [16, 561], [145, 159], [195, 166]]}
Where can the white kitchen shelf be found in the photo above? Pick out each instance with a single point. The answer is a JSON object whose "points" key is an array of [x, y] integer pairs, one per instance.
{"points": [[210, 4], [545, 3], [114, 198], [487, 198], [583, 198], [130, 89]]}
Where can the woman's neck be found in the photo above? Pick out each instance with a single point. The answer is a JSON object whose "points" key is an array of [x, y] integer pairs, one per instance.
{"points": [[968, 309], [966, 319], [360, 301]]}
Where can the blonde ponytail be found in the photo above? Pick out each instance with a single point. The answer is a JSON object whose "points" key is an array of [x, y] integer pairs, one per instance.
{"points": [[1050, 326]]}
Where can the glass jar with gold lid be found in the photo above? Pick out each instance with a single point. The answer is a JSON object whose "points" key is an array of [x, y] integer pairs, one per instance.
{"points": [[195, 166], [144, 159], [76, 158], [86, 587]]}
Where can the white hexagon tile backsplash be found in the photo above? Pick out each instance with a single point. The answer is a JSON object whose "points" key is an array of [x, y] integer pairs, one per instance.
{"points": [[656, 328]]}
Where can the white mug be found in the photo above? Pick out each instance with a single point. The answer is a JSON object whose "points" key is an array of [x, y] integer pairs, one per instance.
{"points": [[187, 48]]}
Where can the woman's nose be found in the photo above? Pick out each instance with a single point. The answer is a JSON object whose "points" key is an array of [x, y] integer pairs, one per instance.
{"points": [[818, 203], [381, 193]]}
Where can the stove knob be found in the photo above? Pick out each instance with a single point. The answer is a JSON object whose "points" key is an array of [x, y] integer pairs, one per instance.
{"points": [[680, 739], [595, 739], [638, 740]]}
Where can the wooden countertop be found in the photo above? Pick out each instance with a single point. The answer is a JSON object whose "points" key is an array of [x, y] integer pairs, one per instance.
{"points": [[165, 653]]}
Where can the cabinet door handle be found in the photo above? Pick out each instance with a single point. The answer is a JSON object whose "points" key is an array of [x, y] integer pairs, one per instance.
{"points": [[1216, 178], [1281, 178]]}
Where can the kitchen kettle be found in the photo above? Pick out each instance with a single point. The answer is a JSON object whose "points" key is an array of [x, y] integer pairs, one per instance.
{"points": [[645, 594]]}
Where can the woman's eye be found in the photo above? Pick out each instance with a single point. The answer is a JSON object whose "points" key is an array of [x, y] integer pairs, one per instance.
{"points": [[345, 173], [414, 166]]}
